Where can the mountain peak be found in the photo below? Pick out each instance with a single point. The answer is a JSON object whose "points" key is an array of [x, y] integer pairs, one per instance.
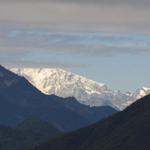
{"points": [[7, 78], [52, 80], [145, 88], [20, 100], [66, 84]]}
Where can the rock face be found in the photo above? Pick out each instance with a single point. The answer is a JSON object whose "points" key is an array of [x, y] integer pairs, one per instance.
{"points": [[86, 91]]}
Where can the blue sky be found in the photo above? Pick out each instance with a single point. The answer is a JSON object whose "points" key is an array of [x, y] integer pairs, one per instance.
{"points": [[119, 59], [107, 41]]}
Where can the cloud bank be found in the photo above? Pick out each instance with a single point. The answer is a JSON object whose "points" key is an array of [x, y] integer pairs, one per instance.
{"points": [[72, 27], [75, 15], [35, 46]]}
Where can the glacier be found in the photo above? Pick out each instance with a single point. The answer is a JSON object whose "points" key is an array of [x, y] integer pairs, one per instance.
{"points": [[66, 84]]}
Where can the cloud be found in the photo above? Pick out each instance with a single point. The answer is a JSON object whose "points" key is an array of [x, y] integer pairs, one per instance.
{"points": [[66, 15], [43, 48], [83, 1], [19, 41], [95, 28], [19, 63]]}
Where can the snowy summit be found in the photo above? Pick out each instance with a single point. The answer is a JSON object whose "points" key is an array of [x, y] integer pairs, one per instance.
{"points": [[66, 84]]}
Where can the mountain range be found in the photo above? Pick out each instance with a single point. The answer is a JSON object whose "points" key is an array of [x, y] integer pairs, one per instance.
{"points": [[32, 120], [66, 84], [20, 100], [125, 130]]}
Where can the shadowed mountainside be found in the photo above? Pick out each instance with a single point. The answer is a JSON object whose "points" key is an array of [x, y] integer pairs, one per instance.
{"points": [[27, 134], [126, 130], [20, 100]]}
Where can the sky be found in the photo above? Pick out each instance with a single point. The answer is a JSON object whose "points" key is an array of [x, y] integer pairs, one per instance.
{"points": [[105, 40]]}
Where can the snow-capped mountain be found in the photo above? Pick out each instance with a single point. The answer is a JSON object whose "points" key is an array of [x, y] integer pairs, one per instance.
{"points": [[86, 91], [141, 92]]}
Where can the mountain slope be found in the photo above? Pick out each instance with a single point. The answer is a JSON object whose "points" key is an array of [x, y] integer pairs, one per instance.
{"points": [[126, 130], [26, 134], [86, 91], [34, 126], [92, 114], [19, 100]]}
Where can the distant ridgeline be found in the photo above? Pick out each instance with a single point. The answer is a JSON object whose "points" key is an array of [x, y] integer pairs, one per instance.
{"points": [[66, 84], [126, 130], [29, 119], [20, 100]]}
